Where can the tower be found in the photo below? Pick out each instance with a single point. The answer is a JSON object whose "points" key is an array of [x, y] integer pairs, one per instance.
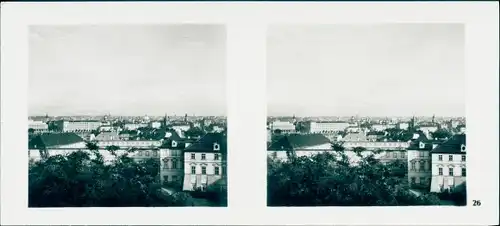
{"points": [[165, 119], [433, 118], [185, 117]]}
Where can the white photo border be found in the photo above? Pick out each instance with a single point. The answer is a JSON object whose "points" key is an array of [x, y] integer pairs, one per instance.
{"points": [[246, 26]]}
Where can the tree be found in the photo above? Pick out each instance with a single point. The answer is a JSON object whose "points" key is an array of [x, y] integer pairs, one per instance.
{"points": [[112, 149], [77, 180], [31, 130], [194, 132], [441, 134], [327, 179]]}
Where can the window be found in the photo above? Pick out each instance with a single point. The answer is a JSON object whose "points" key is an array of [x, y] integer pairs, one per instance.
{"points": [[193, 169], [165, 163], [174, 178], [193, 156], [395, 154], [450, 158], [422, 180], [141, 153], [403, 155], [413, 166], [174, 164], [203, 170], [440, 157], [463, 158], [165, 178], [203, 156], [147, 153], [422, 166], [216, 170], [450, 171], [463, 172], [440, 171], [421, 153], [413, 180], [216, 157]]}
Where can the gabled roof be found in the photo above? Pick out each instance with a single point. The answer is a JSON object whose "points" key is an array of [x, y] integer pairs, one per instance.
{"points": [[294, 141], [54, 139], [206, 143], [452, 145]]}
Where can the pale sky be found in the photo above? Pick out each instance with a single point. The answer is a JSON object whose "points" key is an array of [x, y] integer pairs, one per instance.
{"points": [[370, 70], [127, 70]]}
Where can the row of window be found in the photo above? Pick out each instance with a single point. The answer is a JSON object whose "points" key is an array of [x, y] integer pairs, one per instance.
{"points": [[204, 156], [174, 178], [451, 172], [421, 166], [450, 158], [147, 153], [422, 180], [173, 165], [204, 170]]}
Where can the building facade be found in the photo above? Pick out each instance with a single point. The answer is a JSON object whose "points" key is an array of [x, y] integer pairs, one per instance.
{"points": [[38, 126], [449, 164], [205, 162], [130, 143], [283, 126], [420, 163], [376, 145], [325, 126], [77, 125]]}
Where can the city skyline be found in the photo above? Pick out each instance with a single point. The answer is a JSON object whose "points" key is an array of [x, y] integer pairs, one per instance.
{"points": [[127, 70], [370, 70]]}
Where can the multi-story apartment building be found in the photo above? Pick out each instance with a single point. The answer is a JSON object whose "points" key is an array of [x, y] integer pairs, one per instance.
{"points": [[77, 125], [376, 145], [420, 162], [205, 162], [283, 126], [130, 143], [449, 164], [38, 126], [325, 126], [105, 136], [172, 159], [66, 143]]}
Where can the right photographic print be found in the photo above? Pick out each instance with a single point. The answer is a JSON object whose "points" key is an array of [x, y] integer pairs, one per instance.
{"points": [[366, 115]]}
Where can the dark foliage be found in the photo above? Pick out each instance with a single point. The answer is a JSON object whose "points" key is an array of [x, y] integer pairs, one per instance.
{"points": [[82, 179], [328, 179]]}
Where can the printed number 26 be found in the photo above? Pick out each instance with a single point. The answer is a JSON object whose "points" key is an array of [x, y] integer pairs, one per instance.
{"points": [[476, 202]]}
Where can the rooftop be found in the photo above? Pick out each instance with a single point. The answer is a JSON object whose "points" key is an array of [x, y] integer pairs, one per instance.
{"points": [[206, 143], [453, 145], [294, 141], [54, 139]]}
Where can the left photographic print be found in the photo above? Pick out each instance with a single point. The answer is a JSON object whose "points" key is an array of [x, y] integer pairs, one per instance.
{"points": [[127, 115]]}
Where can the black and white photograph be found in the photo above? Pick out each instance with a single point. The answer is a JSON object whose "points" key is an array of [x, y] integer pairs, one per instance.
{"points": [[127, 116], [366, 115], [249, 113]]}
